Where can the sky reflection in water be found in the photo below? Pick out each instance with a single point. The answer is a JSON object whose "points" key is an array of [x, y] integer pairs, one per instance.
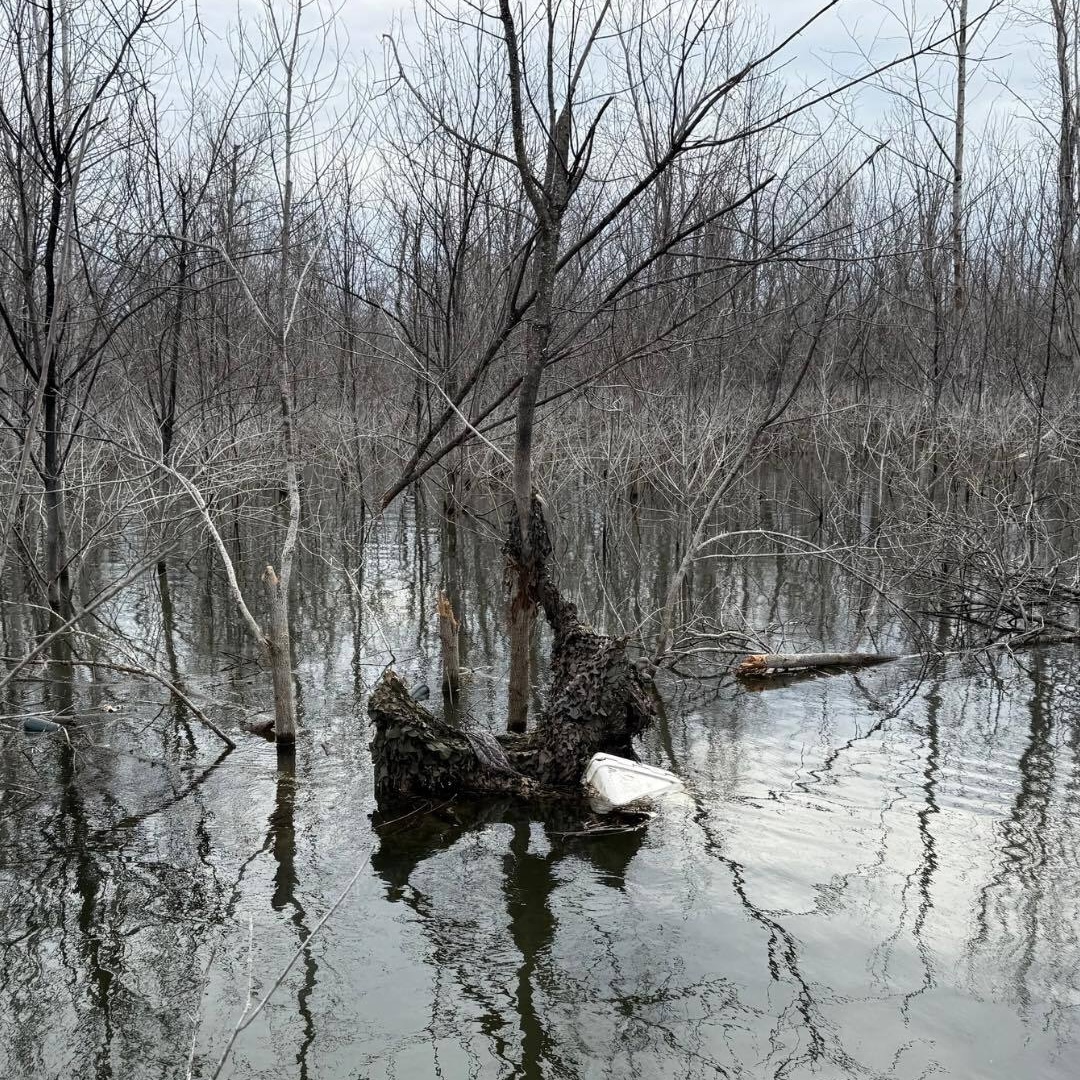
{"points": [[845, 892]]}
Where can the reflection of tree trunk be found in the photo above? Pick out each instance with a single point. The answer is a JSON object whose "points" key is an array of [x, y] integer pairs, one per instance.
{"points": [[1031, 812], [281, 840], [1027, 834], [168, 636], [930, 807], [924, 875], [60, 683], [168, 622], [809, 1045], [528, 883], [100, 971]]}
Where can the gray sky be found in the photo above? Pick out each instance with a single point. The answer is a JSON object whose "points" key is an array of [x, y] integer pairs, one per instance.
{"points": [[1006, 88], [1006, 54]]}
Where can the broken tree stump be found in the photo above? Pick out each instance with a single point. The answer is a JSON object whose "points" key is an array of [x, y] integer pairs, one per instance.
{"points": [[762, 664], [449, 636], [597, 703]]}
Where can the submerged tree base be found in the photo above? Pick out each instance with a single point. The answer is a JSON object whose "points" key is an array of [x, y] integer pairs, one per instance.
{"points": [[598, 701]]}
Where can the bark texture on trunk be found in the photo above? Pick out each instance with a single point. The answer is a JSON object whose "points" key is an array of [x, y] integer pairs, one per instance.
{"points": [[521, 618], [598, 701], [57, 575], [416, 753], [449, 629], [278, 647], [958, 257]]}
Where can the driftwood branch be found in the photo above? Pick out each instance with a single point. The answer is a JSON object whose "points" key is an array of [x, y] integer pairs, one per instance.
{"points": [[759, 664]]}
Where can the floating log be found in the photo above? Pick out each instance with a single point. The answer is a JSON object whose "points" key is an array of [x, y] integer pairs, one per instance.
{"points": [[760, 664]]}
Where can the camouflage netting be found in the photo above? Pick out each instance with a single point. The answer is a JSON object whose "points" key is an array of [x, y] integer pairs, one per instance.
{"points": [[414, 752], [598, 701]]}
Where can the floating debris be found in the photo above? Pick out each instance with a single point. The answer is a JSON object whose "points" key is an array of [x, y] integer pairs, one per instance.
{"points": [[619, 781]]}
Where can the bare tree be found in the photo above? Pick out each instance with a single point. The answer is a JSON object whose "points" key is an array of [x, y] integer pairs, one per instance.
{"points": [[67, 80]]}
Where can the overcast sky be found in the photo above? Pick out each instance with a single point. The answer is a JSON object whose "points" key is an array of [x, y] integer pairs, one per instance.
{"points": [[1006, 88]]}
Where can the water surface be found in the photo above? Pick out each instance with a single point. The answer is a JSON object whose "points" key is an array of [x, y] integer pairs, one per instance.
{"points": [[873, 875]]}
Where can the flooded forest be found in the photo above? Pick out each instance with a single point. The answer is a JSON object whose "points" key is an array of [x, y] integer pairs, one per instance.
{"points": [[403, 403]]}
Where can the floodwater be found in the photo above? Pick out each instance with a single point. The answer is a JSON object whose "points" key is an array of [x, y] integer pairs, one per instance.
{"points": [[872, 875]]}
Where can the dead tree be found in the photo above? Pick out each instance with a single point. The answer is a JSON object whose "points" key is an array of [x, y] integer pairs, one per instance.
{"points": [[564, 89], [61, 76]]}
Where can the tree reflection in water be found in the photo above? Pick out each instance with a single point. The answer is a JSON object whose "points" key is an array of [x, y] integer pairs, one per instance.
{"points": [[281, 841], [528, 882], [856, 890]]}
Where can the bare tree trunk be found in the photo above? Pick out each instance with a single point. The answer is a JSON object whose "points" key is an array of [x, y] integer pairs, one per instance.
{"points": [[522, 617], [168, 382], [1068, 150], [278, 647], [279, 642], [958, 165], [549, 198], [56, 568]]}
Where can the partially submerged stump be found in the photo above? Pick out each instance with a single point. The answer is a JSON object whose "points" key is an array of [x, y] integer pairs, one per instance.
{"points": [[449, 644], [598, 701]]}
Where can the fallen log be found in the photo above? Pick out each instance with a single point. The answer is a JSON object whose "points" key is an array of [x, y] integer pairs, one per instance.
{"points": [[762, 664], [766, 665], [597, 702]]}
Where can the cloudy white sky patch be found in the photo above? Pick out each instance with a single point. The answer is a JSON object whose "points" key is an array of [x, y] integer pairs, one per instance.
{"points": [[1009, 86]]}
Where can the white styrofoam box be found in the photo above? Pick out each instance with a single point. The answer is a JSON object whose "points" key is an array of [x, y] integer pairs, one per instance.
{"points": [[620, 781]]}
